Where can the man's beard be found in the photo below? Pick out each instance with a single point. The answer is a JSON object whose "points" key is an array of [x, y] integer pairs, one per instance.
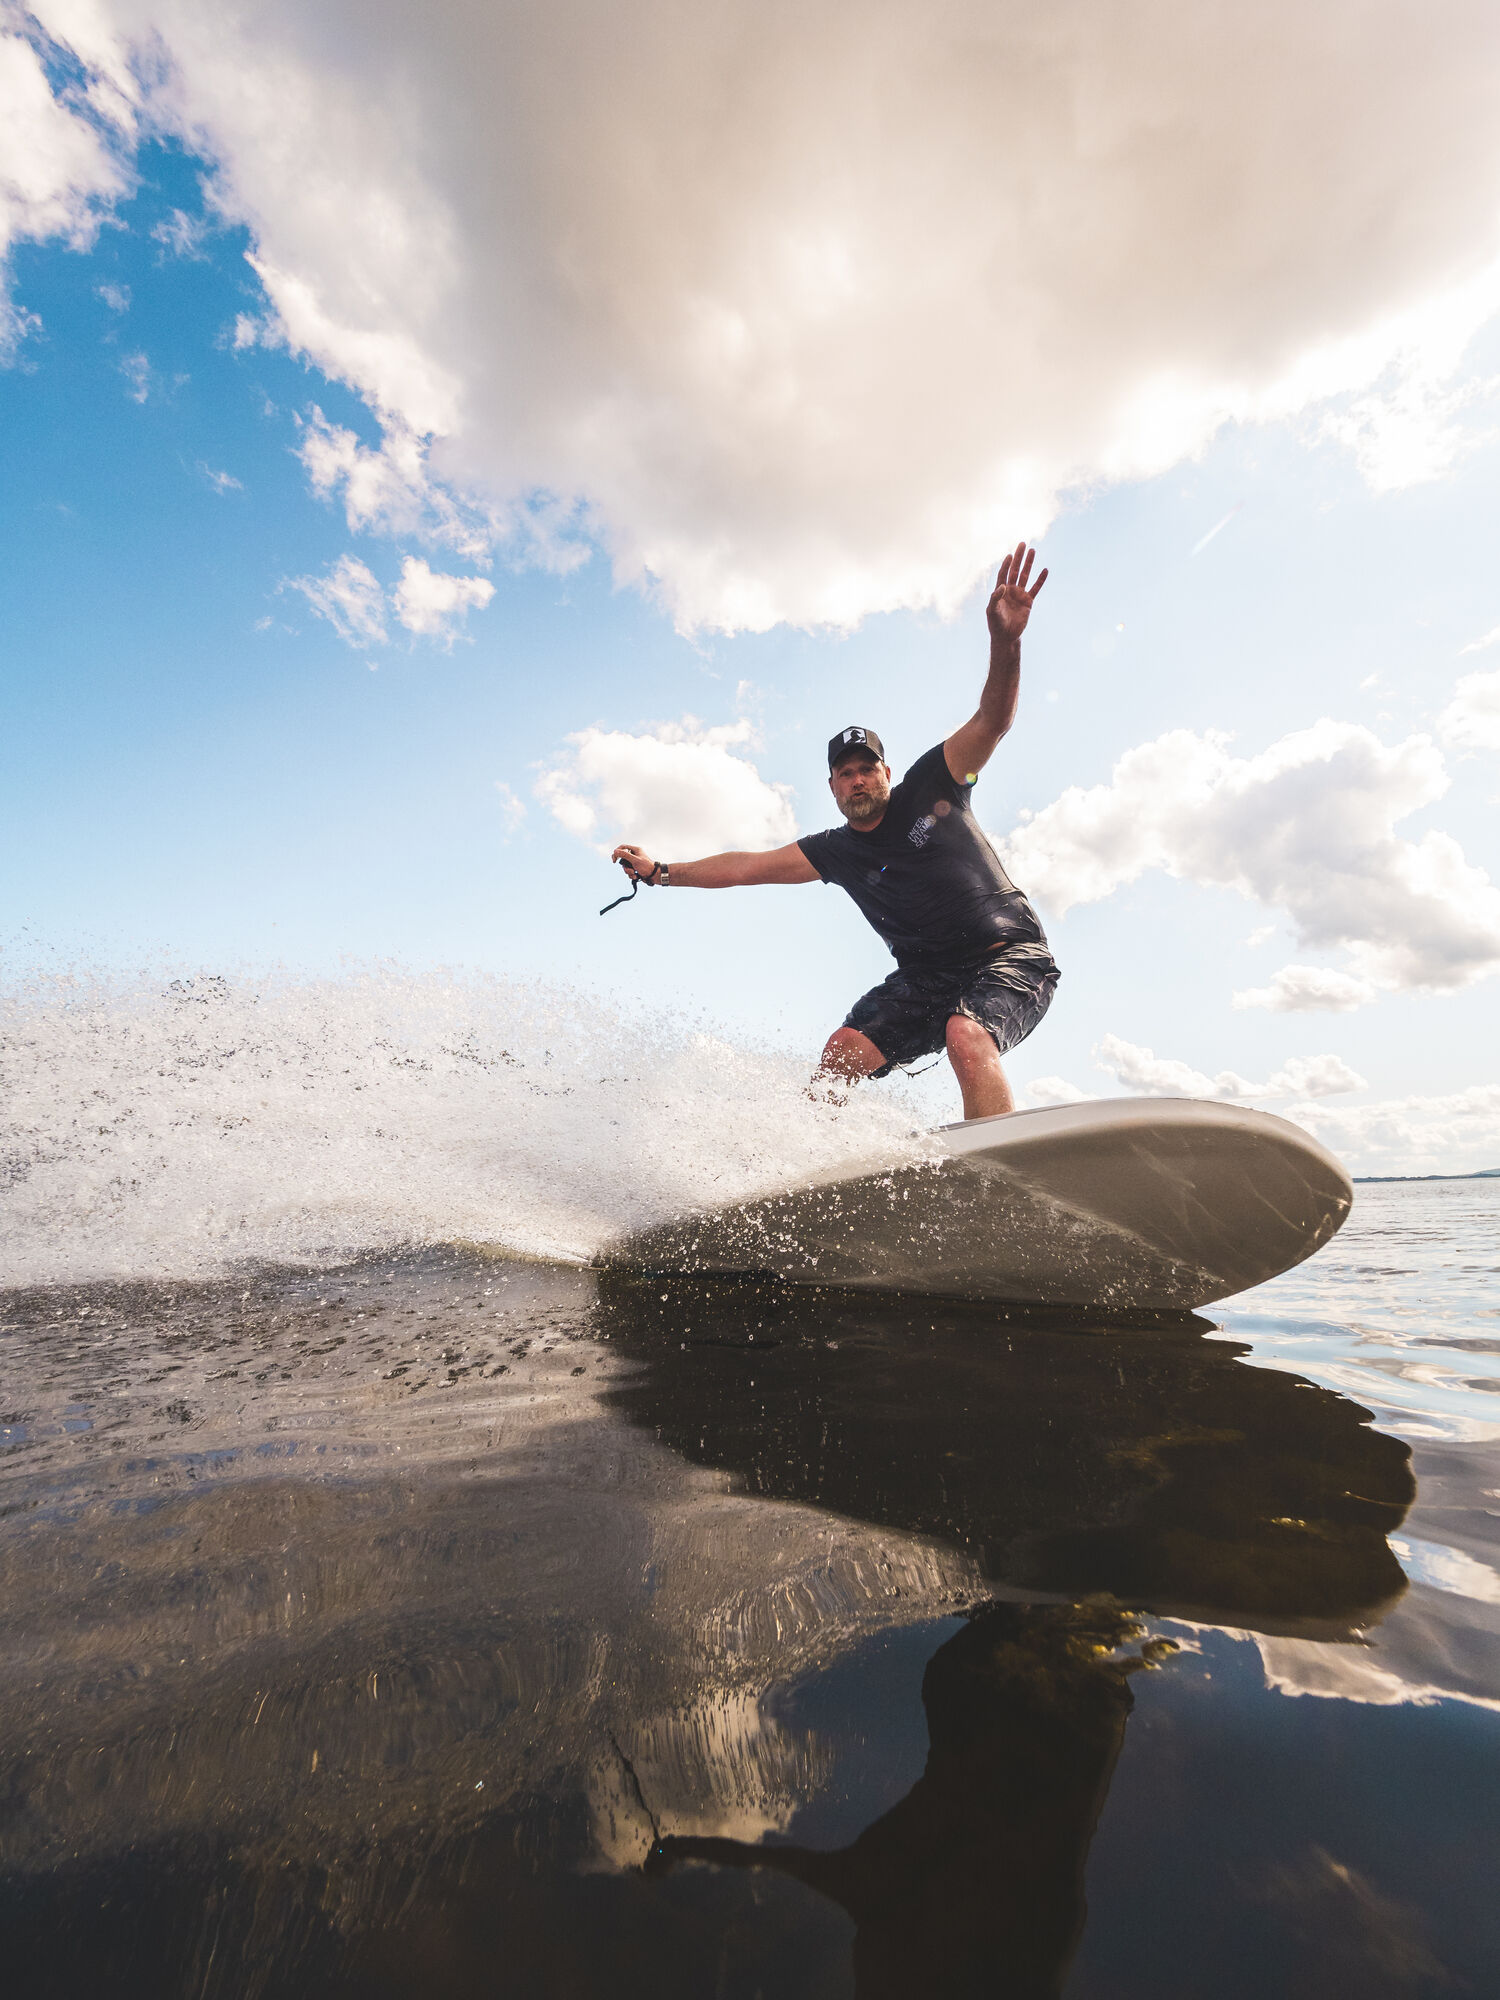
{"points": [[858, 810]]}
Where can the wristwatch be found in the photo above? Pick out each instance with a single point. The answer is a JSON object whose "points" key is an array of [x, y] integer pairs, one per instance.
{"points": [[664, 875]]}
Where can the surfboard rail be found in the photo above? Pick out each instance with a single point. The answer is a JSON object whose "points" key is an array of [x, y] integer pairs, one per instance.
{"points": [[1129, 1203]]}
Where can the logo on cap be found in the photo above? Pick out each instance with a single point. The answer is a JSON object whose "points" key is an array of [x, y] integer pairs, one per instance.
{"points": [[855, 737]]}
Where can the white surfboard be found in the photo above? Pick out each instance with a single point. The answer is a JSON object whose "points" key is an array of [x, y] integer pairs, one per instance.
{"points": [[1124, 1204]]}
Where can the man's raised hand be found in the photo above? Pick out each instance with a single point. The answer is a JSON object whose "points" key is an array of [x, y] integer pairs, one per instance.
{"points": [[1010, 605]]}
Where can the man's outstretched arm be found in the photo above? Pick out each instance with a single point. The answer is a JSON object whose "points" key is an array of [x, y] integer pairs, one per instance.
{"points": [[721, 871], [969, 749]]}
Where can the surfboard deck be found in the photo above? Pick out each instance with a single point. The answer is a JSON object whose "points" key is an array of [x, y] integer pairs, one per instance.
{"points": [[1127, 1203]]}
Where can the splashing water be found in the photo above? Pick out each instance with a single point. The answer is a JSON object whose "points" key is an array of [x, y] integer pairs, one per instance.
{"points": [[191, 1127]]}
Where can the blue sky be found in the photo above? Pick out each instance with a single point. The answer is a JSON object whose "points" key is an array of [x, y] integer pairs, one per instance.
{"points": [[199, 770]]}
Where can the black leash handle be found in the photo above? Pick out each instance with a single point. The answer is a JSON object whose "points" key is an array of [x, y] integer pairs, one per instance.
{"points": [[635, 883]]}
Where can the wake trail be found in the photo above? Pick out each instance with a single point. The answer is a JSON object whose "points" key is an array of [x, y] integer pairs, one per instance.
{"points": [[191, 1127]]}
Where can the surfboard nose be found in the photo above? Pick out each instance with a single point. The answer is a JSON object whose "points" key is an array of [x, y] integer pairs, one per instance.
{"points": [[1215, 1198]]}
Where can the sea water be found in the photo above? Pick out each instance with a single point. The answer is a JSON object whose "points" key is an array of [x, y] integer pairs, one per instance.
{"points": [[393, 1606]]}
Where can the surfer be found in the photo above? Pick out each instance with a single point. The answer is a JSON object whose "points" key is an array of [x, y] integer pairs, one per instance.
{"points": [[973, 972]]}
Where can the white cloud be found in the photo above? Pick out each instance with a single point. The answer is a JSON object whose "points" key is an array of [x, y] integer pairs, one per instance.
{"points": [[680, 790], [181, 235], [1309, 989], [512, 809], [390, 489], [435, 605], [1471, 721], [1056, 1090], [1307, 827], [1146, 1074], [1479, 645], [350, 598], [1412, 1135], [386, 490], [1457, 1133], [221, 482], [1412, 430], [116, 297], [427, 602], [811, 307], [58, 171], [137, 372], [1314, 1076]]}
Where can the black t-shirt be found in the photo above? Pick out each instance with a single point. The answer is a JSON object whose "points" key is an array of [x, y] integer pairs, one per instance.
{"points": [[926, 877]]}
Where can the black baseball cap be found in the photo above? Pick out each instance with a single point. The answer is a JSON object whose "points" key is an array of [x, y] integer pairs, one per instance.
{"points": [[854, 738]]}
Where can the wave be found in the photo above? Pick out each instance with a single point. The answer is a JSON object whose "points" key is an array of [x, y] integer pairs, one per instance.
{"points": [[191, 1127]]}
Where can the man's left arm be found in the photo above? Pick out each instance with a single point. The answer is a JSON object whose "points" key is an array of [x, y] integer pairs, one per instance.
{"points": [[970, 748]]}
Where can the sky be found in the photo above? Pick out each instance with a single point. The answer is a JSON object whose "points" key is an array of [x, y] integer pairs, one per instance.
{"points": [[434, 448]]}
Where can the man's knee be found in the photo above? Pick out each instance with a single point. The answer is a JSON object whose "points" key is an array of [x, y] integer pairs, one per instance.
{"points": [[970, 1044], [849, 1053]]}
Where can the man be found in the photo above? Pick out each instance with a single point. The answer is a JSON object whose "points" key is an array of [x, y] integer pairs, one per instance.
{"points": [[974, 975]]}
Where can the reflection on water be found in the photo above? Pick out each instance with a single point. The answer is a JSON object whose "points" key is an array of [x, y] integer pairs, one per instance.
{"points": [[1026, 1708], [457, 1627], [1146, 1463]]}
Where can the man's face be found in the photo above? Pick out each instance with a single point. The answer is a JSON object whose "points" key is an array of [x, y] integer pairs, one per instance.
{"points": [[861, 787]]}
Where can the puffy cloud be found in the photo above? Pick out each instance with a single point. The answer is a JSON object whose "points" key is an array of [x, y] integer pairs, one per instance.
{"points": [[1146, 1074], [1471, 721], [1456, 1133], [1412, 430], [1308, 827], [350, 598], [1314, 1076], [681, 790], [1412, 1135], [387, 490], [58, 171], [434, 605], [812, 306], [1309, 989]]}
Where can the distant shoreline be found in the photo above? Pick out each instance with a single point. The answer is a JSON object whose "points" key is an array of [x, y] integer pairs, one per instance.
{"points": [[1479, 1174]]}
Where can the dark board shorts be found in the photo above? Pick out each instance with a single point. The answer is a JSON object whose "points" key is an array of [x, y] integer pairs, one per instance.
{"points": [[907, 1015]]}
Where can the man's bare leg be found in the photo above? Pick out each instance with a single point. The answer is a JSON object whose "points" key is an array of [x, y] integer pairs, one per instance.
{"points": [[976, 1064], [847, 1056]]}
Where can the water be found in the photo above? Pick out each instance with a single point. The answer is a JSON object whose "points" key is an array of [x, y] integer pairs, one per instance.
{"points": [[188, 1127], [390, 1615]]}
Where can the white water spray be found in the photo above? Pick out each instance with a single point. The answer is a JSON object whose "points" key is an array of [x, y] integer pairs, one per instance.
{"points": [[186, 1128]]}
